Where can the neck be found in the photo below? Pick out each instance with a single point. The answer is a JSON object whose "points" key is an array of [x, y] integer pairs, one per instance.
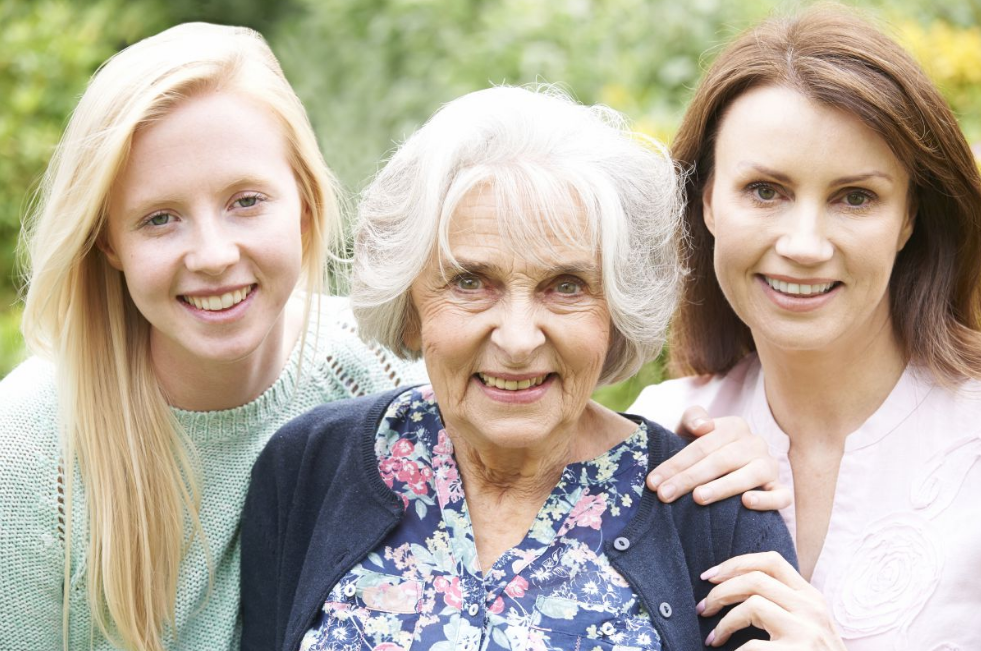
{"points": [[209, 385], [828, 394], [530, 473], [507, 487]]}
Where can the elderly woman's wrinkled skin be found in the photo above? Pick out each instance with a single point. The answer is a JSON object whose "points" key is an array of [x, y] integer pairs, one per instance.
{"points": [[505, 317]]}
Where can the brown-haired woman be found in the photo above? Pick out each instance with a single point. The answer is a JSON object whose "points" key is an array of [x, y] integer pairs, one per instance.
{"points": [[840, 207]]}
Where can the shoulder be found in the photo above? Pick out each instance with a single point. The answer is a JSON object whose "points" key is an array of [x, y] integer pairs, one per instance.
{"points": [[321, 439], [32, 383], [29, 405], [720, 395], [338, 351], [934, 415], [732, 528]]}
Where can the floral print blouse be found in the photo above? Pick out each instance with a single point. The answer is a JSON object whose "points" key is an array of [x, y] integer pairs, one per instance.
{"points": [[423, 587]]}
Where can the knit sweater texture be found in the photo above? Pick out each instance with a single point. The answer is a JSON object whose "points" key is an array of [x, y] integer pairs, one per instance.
{"points": [[32, 539]]}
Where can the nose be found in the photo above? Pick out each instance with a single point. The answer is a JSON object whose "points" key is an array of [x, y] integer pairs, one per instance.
{"points": [[213, 249], [518, 332], [803, 239]]}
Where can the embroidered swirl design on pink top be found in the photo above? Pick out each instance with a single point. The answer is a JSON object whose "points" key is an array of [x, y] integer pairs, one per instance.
{"points": [[895, 569]]}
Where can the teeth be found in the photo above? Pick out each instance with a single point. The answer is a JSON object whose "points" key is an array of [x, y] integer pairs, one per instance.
{"points": [[511, 385], [797, 289], [223, 302]]}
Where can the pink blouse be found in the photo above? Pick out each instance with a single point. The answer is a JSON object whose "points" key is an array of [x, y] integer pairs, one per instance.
{"points": [[904, 541]]}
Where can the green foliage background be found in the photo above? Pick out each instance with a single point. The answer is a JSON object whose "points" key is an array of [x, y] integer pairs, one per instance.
{"points": [[370, 71]]}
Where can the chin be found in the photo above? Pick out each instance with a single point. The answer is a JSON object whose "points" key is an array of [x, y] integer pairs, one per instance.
{"points": [[514, 435]]}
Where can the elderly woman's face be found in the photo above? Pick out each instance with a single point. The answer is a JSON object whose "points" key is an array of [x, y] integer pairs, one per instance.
{"points": [[514, 348]]}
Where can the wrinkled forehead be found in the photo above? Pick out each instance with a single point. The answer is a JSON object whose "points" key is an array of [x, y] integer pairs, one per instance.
{"points": [[547, 224]]}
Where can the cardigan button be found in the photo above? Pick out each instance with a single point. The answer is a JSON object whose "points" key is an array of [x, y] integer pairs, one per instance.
{"points": [[350, 589], [473, 609], [665, 609], [621, 544]]}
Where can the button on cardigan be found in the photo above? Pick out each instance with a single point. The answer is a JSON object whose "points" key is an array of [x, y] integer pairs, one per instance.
{"points": [[317, 505]]}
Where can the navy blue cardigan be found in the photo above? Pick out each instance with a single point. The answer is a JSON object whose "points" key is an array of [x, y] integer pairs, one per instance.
{"points": [[317, 506]]}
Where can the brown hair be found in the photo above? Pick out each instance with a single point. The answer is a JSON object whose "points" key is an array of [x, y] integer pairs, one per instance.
{"points": [[835, 57]]}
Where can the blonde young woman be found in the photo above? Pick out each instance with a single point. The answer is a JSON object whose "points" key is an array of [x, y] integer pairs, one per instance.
{"points": [[185, 204]]}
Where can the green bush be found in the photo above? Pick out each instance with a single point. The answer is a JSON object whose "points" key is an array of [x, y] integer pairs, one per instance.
{"points": [[370, 71]]}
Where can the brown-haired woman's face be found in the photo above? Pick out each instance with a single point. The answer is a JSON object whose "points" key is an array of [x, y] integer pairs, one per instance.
{"points": [[808, 207]]}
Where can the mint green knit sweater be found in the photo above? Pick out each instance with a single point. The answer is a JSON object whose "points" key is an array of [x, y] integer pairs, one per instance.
{"points": [[31, 523]]}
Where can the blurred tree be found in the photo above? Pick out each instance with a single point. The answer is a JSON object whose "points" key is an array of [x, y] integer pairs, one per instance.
{"points": [[370, 71]]}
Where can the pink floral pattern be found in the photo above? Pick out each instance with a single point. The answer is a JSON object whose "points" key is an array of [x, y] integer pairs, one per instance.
{"points": [[423, 587]]}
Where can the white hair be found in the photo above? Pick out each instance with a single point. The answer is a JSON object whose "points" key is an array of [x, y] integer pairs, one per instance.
{"points": [[540, 153]]}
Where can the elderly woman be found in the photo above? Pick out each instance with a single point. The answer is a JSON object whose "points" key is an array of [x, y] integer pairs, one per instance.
{"points": [[523, 245]]}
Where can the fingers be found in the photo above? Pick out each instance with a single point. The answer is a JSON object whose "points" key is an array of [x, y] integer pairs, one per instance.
{"points": [[773, 497], [768, 593], [788, 630], [770, 563], [742, 587], [730, 453], [757, 471], [755, 611], [695, 422], [673, 478]]}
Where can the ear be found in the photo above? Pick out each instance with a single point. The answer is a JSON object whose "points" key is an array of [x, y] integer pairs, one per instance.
{"points": [[908, 224], [305, 217], [105, 245], [707, 215]]}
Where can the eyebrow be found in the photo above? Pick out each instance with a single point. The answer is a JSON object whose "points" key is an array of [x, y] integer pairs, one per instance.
{"points": [[842, 180], [145, 203], [489, 269]]}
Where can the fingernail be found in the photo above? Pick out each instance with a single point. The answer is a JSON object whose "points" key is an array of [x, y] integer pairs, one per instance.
{"points": [[753, 499], [709, 573], [698, 422], [705, 494], [654, 481], [667, 491], [700, 608], [710, 638]]}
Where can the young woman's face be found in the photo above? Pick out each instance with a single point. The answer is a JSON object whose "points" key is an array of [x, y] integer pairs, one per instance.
{"points": [[809, 208], [205, 224]]}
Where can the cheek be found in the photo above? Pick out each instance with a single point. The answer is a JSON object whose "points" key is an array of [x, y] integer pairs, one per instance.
{"points": [[583, 341], [450, 337], [725, 261]]}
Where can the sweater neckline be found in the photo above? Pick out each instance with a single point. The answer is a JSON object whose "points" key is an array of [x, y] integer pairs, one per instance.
{"points": [[224, 424]]}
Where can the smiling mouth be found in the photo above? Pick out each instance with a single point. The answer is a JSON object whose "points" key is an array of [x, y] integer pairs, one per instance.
{"points": [[219, 301], [511, 385], [799, 289]]}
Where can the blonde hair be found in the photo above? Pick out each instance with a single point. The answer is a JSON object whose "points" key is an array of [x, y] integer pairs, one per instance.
{"points": [[137, 464]]}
